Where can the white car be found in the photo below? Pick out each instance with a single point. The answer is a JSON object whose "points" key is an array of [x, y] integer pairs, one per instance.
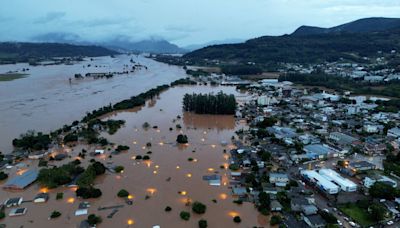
{"points": [[339, 223], [390, 223], [352, 224]]}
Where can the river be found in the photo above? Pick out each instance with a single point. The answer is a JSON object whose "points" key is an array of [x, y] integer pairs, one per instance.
{"points": [[46, 100]]}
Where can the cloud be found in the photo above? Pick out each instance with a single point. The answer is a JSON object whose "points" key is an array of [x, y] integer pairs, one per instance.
{"points": [[50, 17]]}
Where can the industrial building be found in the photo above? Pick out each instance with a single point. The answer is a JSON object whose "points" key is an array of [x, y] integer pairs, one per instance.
{"points": [[20, 182], [321, 182], [345, 184]]}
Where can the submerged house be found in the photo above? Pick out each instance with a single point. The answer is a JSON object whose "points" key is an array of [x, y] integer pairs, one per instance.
{"points": [[20, 182]]}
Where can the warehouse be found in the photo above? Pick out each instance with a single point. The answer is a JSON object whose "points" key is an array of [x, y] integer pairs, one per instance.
{"points": [[321, 182], [345, 184], [20, 182]]}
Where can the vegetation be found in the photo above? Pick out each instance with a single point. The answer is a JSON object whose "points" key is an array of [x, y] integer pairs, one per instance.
{"points": [[275, 220], [300, 49], [71, 137], [57, 176], [241, 70], [13, 52], [123, 193], [185, 215], [359, 214], [59, 196], [328, 217], [87, 193], [32, 141], [382, 190], [234, 167], [94, 219], [209, 103], [182, 139], [2, 214], [11, 76], [341, 84], [3, 175], [203, 223], [119, 169], [87, 178], [168, 208], [55, 214], [199, 208], [264, 203], [237, 219]]}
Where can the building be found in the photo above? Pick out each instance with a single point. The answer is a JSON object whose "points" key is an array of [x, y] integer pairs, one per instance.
{"points": [[371, 180], [318, 151], [17, 212], [320, 182], [394, 132], [345, 184], [20, 182], [12, 202], [279, 179], [342, 139], [276, 206], [314, 221], [41, 198], [357, 167]]}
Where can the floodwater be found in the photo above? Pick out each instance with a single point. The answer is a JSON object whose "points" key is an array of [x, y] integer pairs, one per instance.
{"points": [[169, 179], [45, 100]]}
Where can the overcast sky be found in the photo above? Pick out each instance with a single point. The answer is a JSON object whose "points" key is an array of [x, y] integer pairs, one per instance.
{"points": [[182, 22]]}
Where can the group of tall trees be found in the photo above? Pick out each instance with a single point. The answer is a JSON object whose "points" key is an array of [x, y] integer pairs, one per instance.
{"points": [[220, 103]]}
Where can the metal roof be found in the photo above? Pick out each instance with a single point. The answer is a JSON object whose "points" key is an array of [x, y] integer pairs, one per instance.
{"points": [[22, 181], [326, 184], [335, 177]]}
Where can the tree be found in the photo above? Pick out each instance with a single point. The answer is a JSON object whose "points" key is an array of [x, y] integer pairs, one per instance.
{"points": [[123, 193], [168, 208], [87, 193], [328, 217], [3, 175], [377, 212], [199, 208], [210, 104], [264, 203], [182, 139], [55, 214], [275, 220], [382, 190], [237, 219], [185, 215], [94, 220], [203, 223]]}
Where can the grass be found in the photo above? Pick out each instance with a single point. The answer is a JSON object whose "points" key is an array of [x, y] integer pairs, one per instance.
{"points": [[11, 77], [358, 214]]}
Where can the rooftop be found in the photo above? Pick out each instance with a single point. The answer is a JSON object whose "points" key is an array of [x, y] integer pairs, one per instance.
{"points": [[22, 181]]}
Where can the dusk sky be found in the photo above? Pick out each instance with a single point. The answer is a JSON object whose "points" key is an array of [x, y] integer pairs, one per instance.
{"points": [[182, 22]]}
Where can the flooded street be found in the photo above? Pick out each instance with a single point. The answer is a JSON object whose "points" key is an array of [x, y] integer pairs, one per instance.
{"points": [[167, 179], [45, 100]]}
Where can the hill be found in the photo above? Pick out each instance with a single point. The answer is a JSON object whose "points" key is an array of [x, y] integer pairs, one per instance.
{"points": [[315, 46], [23, 52], [148, 46], [366, 25]]}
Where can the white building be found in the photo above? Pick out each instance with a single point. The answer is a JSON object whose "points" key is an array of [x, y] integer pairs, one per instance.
{"points": [[345, 184], [279, 179], [321, 182], [371, 128], [369, 181]]}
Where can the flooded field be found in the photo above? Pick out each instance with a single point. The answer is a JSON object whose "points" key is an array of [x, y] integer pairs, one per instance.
{"points": [[45, 99], [168, 178]]}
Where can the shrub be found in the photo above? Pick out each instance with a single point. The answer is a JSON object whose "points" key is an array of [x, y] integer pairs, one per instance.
{"points": [[234, 167], [237, 219], [42, 163], [275, 220], [2, 214], [59, 196], [168, 208], [182, 139], [199, 208], [3, 175], [203, 223], [87, 193], [146, 157], [93, 219], [185, 215], [119, 168], [55, 214], [138, 157], [123, 193]]}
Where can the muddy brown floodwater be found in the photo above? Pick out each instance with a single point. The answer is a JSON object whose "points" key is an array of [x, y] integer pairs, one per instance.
{"points": [[45, 100], [169, 179]]}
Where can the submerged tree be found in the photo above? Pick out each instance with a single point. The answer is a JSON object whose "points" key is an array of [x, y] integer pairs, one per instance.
{"points": [[210, 104]]}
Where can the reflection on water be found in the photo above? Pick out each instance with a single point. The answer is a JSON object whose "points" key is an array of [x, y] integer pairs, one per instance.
{"points": [[208, 121]]}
